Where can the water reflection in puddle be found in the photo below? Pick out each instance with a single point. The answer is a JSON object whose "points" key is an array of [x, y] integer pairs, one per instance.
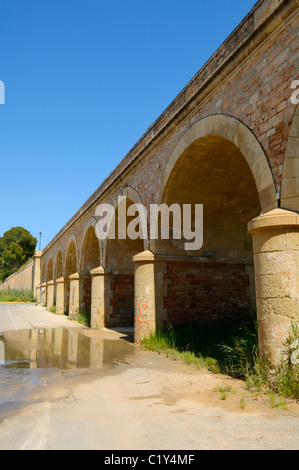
{"points": [[61, 348], [32, 360]]}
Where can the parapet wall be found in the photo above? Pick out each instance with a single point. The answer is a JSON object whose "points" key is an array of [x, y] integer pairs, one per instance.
{"points": [[22, 279]]}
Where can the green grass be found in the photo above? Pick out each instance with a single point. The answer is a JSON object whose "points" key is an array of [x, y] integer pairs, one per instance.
{"points": [[15, 295], [84, 318], [231, 349]]}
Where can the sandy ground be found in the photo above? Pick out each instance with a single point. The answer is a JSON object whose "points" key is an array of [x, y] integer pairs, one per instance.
{"points": [[145, 401]]}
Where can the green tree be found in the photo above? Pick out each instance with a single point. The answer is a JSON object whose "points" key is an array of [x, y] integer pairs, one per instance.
{"points": [[16, 247]]}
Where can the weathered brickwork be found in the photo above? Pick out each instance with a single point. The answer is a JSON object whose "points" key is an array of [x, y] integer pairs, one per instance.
{"points": [[122, 300], [87, 294], [258, 95], [205, 292]]}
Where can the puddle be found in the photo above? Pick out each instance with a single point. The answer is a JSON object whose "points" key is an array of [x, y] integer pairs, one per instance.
{"points": [[60, 348], [31, 360]]}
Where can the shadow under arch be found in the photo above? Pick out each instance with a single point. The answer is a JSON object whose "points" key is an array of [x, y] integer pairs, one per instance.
{"points": [[71, 257], [219, 163], [50, 272], [118, 260], [58, 270], [133, 197], [90, 258], [70, 268], [242, 137]]}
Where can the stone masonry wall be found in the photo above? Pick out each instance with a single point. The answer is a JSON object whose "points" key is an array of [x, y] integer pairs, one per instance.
{"points": [[22, 279]]}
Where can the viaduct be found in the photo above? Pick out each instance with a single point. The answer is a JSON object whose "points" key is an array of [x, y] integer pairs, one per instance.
{"points": [[228, 141]]}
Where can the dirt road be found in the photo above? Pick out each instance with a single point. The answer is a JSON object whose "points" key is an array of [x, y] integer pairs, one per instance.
{"points": [[143, 402]]}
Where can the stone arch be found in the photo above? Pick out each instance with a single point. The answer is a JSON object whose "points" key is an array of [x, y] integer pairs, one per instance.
{"points": [[290, 174], [133, 197], [91, 251], [71, 257], [50, 273], [70, 268], [242, 137], [118, 264], [44, 273], [58, 272], [90, 258], [219, 163]]}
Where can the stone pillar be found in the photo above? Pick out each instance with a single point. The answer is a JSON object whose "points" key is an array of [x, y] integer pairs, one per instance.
{"points": [[43, 296], [38, 294], [76, 291], [60, 296], [50, 294], [36, 274], [276, 264], [100, 297], [148, 285]]}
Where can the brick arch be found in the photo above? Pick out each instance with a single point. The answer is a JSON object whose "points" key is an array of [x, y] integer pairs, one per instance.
{"points": [[91, 224], [44, 273], [290, 174], [50, 272], [59, 263], [131, 194], [242, 137], [71, 252]]}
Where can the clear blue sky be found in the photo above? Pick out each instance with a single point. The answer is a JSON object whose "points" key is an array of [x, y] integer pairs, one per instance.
{"points": [[84, 79]]}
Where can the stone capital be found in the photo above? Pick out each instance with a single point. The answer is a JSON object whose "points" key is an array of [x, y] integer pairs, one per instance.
{"points": [[278, 218], [75, 276], [100, 271], [144, 257]]}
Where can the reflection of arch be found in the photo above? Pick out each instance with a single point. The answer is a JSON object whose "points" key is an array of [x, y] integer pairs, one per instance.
{"points": [[290, 174], [50, 276], [133, 197], [71, 259], [241, 136], [90, 256]]}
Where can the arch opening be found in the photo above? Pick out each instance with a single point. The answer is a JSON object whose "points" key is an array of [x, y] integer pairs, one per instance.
{"points": [[58, 272], [71, 263], [119, 265], [90, 259], [215, 282]]}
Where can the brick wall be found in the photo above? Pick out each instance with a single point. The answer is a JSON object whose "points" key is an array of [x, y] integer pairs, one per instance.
{"points": [[122, 300], [87, 294], [205, 292]]}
